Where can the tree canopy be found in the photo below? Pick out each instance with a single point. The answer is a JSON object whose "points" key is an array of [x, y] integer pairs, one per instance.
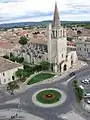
{"points": [[19, 73], [79, 92], [69, 39], [23, 40], [45, 65]]}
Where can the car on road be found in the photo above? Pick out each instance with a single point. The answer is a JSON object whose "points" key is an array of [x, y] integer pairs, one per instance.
{"points": [[72, 74], [86, 81]]}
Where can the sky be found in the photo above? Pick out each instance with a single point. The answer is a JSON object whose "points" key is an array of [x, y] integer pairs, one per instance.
{"points": [[12, 11]]}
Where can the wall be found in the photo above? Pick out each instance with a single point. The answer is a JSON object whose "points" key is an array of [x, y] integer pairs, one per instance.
{"points": [[7, 77]]}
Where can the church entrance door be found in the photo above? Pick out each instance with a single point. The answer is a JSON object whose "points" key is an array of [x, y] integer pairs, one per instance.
{"points": [[65, 67]]}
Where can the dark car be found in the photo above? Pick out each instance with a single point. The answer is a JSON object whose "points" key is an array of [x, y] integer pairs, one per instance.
{"points": [[72, 74]]}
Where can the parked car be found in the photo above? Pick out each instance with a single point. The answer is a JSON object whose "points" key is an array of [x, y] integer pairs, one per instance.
{"points": [[86, 81], [88, 101], [87, 95], [81, 87], [72, 74]]}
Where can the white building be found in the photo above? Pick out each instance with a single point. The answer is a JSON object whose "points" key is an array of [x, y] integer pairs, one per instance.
{"points": [[57, 46], [83, 48], [7, 70]]}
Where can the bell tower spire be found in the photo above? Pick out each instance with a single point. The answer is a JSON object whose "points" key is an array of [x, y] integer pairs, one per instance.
{"points": [[56, 20]]}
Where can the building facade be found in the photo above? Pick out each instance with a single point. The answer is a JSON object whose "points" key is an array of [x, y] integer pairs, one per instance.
{"points": [[7, 70], [83, 48], [57, 46]]}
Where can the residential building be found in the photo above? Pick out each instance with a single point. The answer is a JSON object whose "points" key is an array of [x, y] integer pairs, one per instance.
{"points": [[6, 48], [83, 48], [7, 70]]}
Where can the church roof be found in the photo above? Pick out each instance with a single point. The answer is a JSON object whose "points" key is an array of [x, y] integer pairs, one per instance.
{"points": [[56, 20]]}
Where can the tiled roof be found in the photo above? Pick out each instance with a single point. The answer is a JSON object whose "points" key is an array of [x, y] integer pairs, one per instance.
{"points": [[40, 39], [7, 65], [7, 45], [71, 43]]}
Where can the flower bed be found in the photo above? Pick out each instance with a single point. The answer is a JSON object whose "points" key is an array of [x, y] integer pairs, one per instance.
{"points": [[48, 96]]}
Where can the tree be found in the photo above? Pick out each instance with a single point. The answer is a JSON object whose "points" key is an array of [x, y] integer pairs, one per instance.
{"points": [[12, 58], [45, 65], [23, 40], [19, 73], [22, 74], [51, 66], [11, 54], [69, 39], [19, 59], [12, 86], [79, 32], [75, 84], [79, 92], [37, 68]]}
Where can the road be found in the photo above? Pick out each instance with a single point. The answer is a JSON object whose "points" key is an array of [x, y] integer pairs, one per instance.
{"points": [[49, 113]]}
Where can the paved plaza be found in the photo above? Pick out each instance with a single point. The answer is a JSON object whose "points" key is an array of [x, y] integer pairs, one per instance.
{"points": [[71, 116], [17, 114]]}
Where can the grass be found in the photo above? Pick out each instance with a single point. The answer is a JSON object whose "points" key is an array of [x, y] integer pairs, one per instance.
{"points": [[44, 100], [40, 77]]}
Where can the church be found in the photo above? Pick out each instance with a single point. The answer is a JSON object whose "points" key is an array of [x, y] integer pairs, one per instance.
{"points": [[58, 55]]}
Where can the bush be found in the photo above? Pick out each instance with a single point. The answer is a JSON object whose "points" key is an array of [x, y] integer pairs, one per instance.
{"points": [[79, 92]]}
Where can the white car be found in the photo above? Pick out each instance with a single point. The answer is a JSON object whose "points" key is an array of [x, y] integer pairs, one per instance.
{"points": [[86, 81], [88, 101], [87, 95]]}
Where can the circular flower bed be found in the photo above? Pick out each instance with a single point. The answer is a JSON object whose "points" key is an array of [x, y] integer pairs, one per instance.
{"points": [[48, 96]]}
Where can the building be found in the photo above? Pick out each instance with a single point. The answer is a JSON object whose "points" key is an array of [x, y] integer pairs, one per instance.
{"points": [[71, 46], [6, 47], [83, 48], [7, 70], [32, 53], [57, 46]]}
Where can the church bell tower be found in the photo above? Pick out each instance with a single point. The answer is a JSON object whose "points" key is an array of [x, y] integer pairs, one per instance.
{"points": [[57, 42]]}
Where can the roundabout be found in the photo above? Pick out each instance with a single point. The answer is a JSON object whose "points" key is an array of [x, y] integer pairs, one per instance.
{"points": [[49, 97]]}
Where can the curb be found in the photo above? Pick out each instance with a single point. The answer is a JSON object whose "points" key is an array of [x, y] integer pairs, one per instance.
{"points": [[39, 104]]}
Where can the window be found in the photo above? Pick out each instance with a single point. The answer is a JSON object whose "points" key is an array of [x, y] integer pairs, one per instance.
{"points": [[53, 34], [62, 55], [56, 33], [84, 49], [8, 79], [87, 49], [13, 78], [80, 49], [3, 74]]}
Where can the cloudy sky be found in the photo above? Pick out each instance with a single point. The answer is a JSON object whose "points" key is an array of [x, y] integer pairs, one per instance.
{"points": [[39, 10]]}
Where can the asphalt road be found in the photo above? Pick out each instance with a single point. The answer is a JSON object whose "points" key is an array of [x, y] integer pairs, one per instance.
{"points": [[49, 113]]}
